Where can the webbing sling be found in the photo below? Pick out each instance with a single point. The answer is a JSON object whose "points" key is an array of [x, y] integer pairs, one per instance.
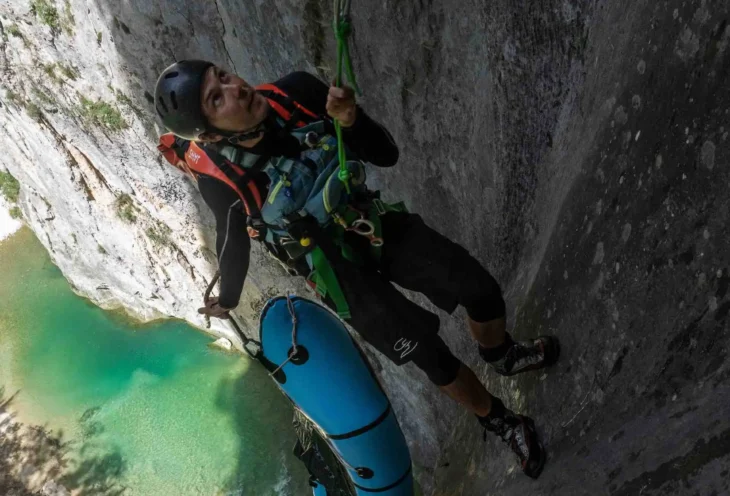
{"points": [[326, 283]]}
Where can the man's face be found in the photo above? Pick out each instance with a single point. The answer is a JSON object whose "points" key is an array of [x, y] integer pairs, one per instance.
{"points": [[229, 103]]}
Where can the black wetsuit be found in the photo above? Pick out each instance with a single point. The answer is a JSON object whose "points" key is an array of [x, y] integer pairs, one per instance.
{"points": [[414, 256]]}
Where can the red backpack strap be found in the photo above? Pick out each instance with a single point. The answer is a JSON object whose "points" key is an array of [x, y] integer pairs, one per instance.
{"points": [[284, 105], [212, 164], [171, 149]]}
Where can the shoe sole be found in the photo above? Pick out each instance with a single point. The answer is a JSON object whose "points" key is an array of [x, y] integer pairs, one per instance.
{"points": [[551, 355], [535, 473]]}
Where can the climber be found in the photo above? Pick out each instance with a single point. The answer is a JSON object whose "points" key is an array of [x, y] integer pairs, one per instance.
{"points": [[242, 145]]}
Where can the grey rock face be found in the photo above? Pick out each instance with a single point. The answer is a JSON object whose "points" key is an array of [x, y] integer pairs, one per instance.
{"points": [[533, 133]]}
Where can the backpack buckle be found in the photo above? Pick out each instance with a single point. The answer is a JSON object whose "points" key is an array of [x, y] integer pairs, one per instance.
{"points": [[256, 228], [311, 139], [379, 206]]}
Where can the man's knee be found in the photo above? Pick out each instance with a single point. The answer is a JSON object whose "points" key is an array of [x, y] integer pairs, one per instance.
{"points": [[478, 292], [437, 361]]}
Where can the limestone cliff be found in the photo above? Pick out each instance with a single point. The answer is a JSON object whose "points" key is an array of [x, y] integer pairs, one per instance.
{"points": [[577, 148]]}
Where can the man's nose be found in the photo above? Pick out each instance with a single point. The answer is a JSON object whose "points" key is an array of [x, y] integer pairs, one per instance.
{"points": [[237, 91]]}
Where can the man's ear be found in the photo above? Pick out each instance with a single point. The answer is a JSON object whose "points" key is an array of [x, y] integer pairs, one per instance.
{"points": [[209, 137]]}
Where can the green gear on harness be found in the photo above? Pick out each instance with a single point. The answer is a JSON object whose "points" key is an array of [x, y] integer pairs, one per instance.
{"points": [[326, 282], [347, 215], [342, 29], [323, 276]]}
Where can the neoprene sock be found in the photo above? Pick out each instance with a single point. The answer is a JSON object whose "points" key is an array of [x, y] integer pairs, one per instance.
{"points": [[494, 354], [496, 412]]}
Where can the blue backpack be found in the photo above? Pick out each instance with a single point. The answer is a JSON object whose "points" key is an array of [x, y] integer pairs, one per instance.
{"points": [[305, 186]]}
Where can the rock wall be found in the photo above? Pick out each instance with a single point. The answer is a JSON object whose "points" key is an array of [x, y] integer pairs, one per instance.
{"points": [[577, 148]]}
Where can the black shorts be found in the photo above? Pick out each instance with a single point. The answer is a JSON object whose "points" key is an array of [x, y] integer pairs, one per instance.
{"points": [[420, 259]]}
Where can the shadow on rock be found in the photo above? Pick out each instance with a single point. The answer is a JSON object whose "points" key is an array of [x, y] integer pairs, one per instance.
{"points": [[32, 456], [262, 419]]}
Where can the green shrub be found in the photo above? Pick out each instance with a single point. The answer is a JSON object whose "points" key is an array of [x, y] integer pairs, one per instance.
{"points": [[68, 21], [100, 249], [159, 234], [43, 96], [122, 98], [69, 71], [14, 98], [9, 187], [126, 209], [34, 112], [125, 100], [99, 37], [50, 71], [102, 114], [47, 13], [15, 212], [57, 72], [14, 30]]}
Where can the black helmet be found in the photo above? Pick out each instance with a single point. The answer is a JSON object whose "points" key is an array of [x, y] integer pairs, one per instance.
{"points": [[178, 99]]}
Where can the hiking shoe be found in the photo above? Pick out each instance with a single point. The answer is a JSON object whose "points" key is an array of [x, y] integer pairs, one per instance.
{"points": [[526, 355], [518, 431]]}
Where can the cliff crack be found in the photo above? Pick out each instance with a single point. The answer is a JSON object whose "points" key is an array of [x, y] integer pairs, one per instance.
{"points": [[223, 37]]}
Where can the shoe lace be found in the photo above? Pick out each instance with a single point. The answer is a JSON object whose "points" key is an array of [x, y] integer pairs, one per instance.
{"points": [[521, 351], [499, 427]]}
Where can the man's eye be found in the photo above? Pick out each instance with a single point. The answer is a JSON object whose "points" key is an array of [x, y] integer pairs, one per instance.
{"points": [[222, 75]]}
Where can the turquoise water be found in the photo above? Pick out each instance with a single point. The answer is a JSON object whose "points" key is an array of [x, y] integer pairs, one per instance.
{"points": [[149, 408]]}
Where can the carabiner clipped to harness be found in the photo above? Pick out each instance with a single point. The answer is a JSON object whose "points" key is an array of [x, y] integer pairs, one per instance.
{"points": [[366, 228], [361, 226]]}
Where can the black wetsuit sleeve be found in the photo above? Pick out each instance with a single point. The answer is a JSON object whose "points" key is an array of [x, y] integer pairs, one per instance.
{"points": [[232, 242], [368, 139]]}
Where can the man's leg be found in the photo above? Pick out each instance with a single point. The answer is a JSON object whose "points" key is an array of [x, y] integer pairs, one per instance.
{"points": [[430, 354], [509, 357], [469, 392], [490, 334], [517, 431], [419, 258], [403, 331]]}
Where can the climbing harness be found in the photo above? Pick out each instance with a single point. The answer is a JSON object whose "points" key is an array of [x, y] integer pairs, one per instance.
{"points": [[362, 226], [365, 228], [342, 28]]}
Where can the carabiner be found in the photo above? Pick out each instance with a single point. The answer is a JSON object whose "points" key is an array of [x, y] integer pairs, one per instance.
{"points": [[363, 227]]}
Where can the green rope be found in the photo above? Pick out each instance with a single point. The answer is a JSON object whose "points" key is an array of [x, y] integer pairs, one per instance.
{"points": [[342, 29]]}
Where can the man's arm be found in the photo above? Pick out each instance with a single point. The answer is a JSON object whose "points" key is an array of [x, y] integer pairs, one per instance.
{"points": [[232, 242], [366, 138]]}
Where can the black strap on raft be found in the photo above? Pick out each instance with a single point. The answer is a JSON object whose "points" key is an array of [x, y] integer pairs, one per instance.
{"points": [[252, 347], [316, 454]]}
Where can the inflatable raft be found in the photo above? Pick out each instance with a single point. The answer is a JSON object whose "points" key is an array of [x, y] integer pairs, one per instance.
{"points": [[331, 383]]}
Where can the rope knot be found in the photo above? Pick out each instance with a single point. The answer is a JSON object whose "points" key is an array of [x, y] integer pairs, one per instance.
{"points": [[344, 175], [343, 30]]}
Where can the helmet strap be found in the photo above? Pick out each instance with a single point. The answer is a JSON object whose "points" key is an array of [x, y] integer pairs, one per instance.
{"points": [[235, 138]]}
